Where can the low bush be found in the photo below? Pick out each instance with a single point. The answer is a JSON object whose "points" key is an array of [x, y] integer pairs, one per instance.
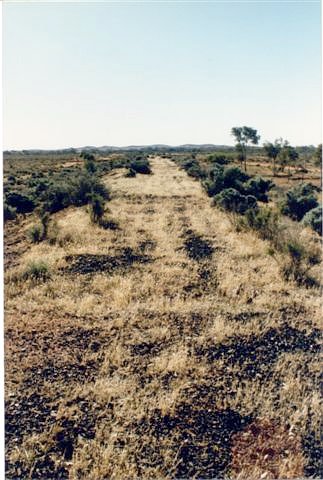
{"points": [[265, 221], [298, 261], [22, 203], [221, 178], [130, 173], [299, 200], [218, 159], [85, 187], [108, 224], [39, 186], [196, 172], [78, 192], [193, 168], [296, 257], [89, 163], [36, 233], [233, 201], [224, 178], [258, 187], [215, 183], [9, 213], [234, 177], [123, 162], [140, 165], [313, 219], [57, 197], [37, 270], [210, 187], [12, 179]]}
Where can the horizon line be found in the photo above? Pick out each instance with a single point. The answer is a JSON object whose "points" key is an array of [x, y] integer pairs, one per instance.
{"points": [[148, 145]]}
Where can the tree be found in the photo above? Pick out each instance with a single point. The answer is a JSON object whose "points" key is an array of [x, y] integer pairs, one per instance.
{"points": [[318, 155], [240, 156], [287, 156], [272, 151], [244, 136]]}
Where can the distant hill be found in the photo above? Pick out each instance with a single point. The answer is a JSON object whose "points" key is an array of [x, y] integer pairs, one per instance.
{"points": [[109, 149]]}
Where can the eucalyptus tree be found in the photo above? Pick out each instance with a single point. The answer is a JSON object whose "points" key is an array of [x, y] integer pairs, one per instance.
{"points": [[318, 155], [244, 136], [287, 156], [272, 151]]}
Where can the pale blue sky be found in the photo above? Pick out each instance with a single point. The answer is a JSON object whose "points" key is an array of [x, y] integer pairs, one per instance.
{"points": [[78, 74]]}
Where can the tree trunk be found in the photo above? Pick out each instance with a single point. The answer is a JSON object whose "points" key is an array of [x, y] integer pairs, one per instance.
{"points": [[245, 158]]}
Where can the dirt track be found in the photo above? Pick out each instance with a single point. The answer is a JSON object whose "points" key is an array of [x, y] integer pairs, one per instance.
{"points": [[149, 371]]}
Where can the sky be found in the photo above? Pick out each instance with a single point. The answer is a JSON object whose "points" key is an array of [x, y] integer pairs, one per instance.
{"points": [[124, 73]]}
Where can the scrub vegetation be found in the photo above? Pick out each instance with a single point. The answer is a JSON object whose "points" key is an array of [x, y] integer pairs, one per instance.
{"points": [[162, 314]]}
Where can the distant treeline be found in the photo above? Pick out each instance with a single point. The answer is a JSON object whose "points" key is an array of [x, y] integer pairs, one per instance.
{"points": [[306, 150]]}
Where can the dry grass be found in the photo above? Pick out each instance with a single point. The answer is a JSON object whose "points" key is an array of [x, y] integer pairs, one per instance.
{"points": [[119, 374]]}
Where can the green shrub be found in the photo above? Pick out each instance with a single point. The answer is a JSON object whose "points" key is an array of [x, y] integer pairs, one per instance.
{"points": [[233, 201], [9, 213], [218, 159], [196, 172], [40, 186], [234, 177], [57, 197], [89, 162], [193, 168], [258, 187], [221, 178], [103, 167], [120, 163], [291, 266], [78, 192], [12, 179], [108, 224], [22, 203], [298, 262], [313, 219], [299, 200], [36, 233], [140, 165], [215, 183], [85, 187], [265, 221], [90, 165], [131, 173], [37, 270]]}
